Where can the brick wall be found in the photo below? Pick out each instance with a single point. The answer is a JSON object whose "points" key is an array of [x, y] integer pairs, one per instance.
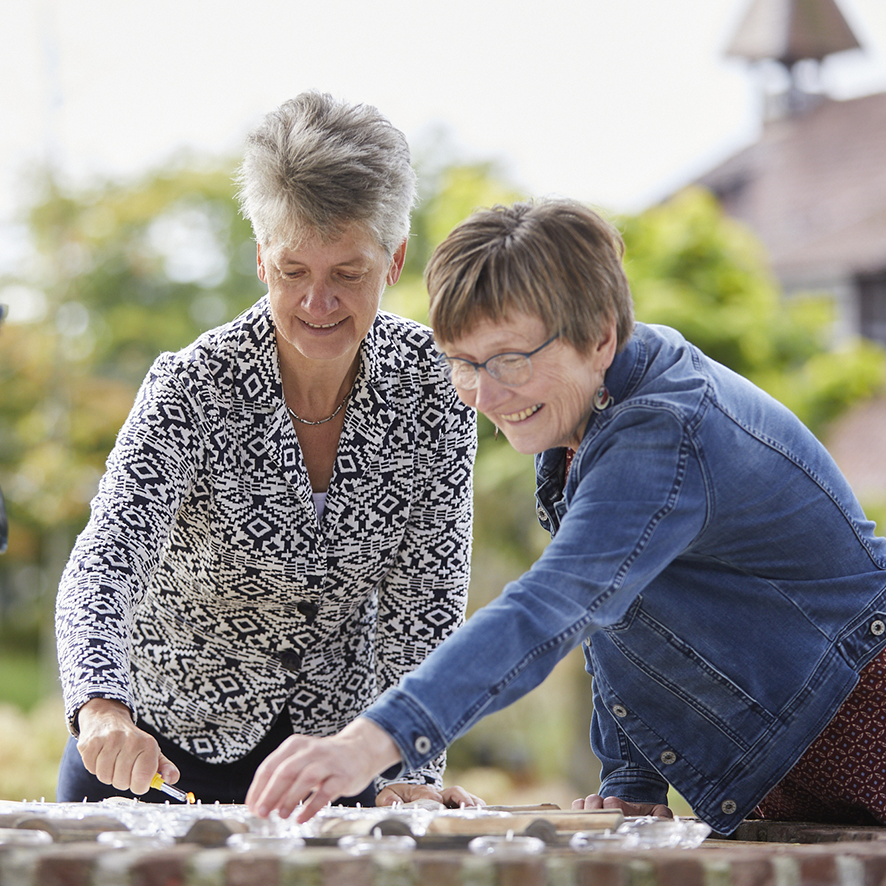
{"points": [[806, 855]]}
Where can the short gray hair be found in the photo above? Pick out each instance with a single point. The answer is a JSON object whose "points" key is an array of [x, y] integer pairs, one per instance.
{"points": [[317, 164]]}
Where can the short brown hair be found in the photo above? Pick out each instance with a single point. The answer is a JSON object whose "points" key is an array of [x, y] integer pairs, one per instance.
{"points": [[554, 259]]}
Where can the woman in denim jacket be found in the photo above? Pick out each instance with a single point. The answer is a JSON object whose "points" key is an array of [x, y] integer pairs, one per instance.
{"points": [[706, 553]]}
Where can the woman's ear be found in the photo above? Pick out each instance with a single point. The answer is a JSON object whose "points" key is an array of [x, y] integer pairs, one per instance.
{"points": [[396, 267], [262, 272], [604, 350]]}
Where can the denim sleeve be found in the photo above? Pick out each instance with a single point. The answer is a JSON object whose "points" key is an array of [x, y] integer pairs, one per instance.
{"points": [[639, 501]]}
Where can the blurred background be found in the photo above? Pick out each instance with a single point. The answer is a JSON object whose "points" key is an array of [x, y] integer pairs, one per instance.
{"points": [[739, 146]]}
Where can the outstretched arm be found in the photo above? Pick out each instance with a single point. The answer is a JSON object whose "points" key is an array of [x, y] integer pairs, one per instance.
{"points": [[318, 770]]}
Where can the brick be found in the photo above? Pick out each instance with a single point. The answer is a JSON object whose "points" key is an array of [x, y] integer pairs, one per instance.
{"points": [[749, 868], [605, 869], [438, 868], [339, 869], [674, 868], [144, 867], [525, 872], [252, 869], [71, 865]]}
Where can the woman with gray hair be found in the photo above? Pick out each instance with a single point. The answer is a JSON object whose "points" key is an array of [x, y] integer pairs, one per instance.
{"points": [[283, 530]]}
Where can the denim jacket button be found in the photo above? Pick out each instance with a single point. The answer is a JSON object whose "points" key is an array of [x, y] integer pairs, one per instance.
{"points": [[422, 744], [620, 711], [729, 807], [668, 757], [878, 627], [542, 514]]}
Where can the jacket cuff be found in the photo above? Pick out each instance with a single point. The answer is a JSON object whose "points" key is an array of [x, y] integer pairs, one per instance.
{"points": [[635, 785], [72, 707], [409, 725]]}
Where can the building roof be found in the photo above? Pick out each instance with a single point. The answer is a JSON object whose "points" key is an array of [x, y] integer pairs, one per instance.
{"points": [[814, 189], [792, 30]]}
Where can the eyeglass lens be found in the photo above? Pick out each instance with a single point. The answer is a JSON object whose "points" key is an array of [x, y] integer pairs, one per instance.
{"points": [[509, 369]]}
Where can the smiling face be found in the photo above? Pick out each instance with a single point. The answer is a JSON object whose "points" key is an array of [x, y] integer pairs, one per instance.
{"points": [[325, 295], [554, 406]]}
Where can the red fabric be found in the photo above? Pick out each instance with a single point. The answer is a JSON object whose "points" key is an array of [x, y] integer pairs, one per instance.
{"points": [[841, 778], [570, 453]]}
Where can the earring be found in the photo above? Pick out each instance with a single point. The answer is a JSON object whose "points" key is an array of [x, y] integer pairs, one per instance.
{"points": [[602, 398]]}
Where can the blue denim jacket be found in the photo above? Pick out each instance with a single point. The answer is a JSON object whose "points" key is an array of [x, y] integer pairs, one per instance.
{"points": [[716, 567]]}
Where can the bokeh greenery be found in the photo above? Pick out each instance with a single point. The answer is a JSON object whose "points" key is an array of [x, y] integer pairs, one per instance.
{"points": [[121, 271]]}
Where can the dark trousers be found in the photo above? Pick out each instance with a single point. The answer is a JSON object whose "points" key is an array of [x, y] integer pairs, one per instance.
{"points": [[210, 782]]}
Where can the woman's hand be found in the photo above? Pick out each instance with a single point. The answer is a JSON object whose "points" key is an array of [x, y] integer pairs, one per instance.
{"points": [[116, 751], [452, 797], [320, 770], [595, 801]]}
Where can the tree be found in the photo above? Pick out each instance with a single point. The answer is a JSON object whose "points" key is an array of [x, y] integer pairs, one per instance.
{"points": [[129, 270], [123, 272], [693, 268]]}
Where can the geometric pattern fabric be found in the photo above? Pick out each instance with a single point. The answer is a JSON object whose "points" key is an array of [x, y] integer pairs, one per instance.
{"points": [[205, 594]]}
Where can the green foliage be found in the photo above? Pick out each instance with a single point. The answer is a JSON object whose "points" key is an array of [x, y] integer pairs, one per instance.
{"points": [[125, 273], [31, 746], [129, 270], [694, 269], [21, 672]]}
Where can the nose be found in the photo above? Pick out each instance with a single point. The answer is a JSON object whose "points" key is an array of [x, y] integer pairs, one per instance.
{"points": [[319, 300], [489, 394]]}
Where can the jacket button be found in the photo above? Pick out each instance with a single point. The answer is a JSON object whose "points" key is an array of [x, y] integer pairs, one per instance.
{"points": [[668, 757], [542, 514], [729, 807], [422, 744], [620, 711], [290, 660], [307, 608], [878, 627]]}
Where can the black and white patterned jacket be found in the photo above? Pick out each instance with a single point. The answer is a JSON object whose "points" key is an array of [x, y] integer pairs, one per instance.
{"points": [[204, 593]]}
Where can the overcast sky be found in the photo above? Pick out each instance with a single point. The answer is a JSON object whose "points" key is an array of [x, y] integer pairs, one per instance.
{"points": [[609, 101]]}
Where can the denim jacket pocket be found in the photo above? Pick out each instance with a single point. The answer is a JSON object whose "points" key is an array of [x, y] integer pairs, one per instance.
{"points": [[627, 619], [667, 685]]}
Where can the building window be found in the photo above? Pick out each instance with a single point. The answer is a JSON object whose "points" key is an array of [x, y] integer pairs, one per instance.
{"points": [[872, 306]]}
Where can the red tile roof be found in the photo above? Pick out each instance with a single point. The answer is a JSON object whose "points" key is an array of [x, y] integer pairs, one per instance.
{"points": [[814, 188]]}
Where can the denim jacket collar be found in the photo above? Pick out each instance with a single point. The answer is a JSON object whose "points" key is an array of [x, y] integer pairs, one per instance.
{"points": [[622, 378]]}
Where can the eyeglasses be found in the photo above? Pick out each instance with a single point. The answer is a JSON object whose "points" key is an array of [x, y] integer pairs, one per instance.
{"points": [[511, 368]]}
